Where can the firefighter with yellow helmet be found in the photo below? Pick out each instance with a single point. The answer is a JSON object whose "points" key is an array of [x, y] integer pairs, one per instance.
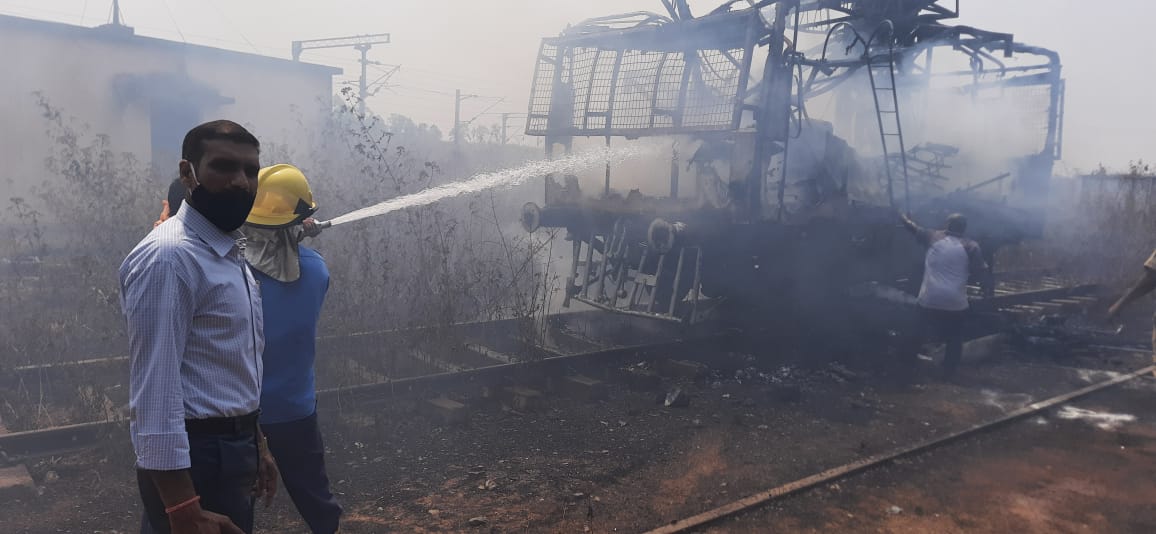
{"points": [[281, 216], [294, 280], [283, 198]]}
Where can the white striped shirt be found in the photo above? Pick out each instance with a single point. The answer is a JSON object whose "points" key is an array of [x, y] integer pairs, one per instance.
{"points": [[195, 331]]}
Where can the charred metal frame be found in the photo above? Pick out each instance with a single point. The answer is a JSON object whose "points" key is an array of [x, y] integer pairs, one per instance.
{"points": [[894, 41]]}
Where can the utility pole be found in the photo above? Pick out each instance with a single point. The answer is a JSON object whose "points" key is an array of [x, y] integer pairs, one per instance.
{"points": [[361, 43], [458, 98], [116, 26], [362, 89], [457, 118], [505, 118]]}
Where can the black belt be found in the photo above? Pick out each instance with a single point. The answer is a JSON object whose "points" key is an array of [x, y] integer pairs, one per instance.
{"points": [[239, 425]]}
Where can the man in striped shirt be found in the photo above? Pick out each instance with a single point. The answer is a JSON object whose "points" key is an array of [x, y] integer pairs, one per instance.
{"points": [[196, 336]]}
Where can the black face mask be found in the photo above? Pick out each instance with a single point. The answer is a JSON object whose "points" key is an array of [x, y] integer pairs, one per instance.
{"points": [[226, 209]]}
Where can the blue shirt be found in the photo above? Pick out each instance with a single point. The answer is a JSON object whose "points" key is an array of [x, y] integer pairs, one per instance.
{"points": [[291, 313], [195, 334]]}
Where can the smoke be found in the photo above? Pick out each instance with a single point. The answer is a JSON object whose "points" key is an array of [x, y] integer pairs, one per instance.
{"points": [[991, 128], [993, 124], [987, 131]]}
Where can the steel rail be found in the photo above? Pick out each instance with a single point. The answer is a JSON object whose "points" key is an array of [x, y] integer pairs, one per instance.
{"points": [[17, 446], [846, 470], [510, 324], [1018, 297]]}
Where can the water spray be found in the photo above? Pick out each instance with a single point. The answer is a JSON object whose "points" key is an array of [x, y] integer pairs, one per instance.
{"points": [[506, 178]]}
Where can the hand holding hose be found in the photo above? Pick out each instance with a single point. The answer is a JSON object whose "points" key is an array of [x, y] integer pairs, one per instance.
{"points": [[312, 227]]}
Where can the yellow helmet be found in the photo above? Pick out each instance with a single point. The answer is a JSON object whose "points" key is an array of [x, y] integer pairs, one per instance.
{"points": [[283, 197]]}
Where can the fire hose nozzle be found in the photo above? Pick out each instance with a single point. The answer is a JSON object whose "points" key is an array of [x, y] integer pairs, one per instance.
{"points": [[315, 229]]}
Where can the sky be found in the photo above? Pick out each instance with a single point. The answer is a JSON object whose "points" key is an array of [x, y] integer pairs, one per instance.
{"points": [[487, 48]]}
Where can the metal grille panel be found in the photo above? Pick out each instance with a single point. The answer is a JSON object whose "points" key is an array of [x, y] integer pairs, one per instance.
{"points": [[632, 92]]}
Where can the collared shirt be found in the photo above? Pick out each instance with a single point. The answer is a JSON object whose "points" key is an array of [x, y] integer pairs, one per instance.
{"points": [[288, 390], [195, 332]]}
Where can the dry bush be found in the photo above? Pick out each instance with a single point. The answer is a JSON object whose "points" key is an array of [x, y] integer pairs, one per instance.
{"points": [[1098, 228], [73, 234], [59, 294], [459, 260]]}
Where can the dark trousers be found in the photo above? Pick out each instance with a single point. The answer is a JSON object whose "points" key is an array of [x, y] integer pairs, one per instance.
{"points": [[300, 455], [945, 326], [224, 469]]}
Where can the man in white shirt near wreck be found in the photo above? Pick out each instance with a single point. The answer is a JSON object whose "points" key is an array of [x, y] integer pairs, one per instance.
{"points": [[951, 260]]}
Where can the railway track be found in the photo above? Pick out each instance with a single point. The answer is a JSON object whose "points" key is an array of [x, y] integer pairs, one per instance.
{"points": [[20, 446], [347, 362], [1027, 291], [368, 367], [746, 504], [372, 411]]}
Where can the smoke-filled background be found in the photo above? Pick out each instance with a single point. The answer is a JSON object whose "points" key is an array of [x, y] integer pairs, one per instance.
{"points": [[90, 138], [488, 49], [77, 197]]}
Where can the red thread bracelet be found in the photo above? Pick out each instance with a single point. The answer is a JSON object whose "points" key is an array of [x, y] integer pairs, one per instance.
{"points": [[176, 507]]}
